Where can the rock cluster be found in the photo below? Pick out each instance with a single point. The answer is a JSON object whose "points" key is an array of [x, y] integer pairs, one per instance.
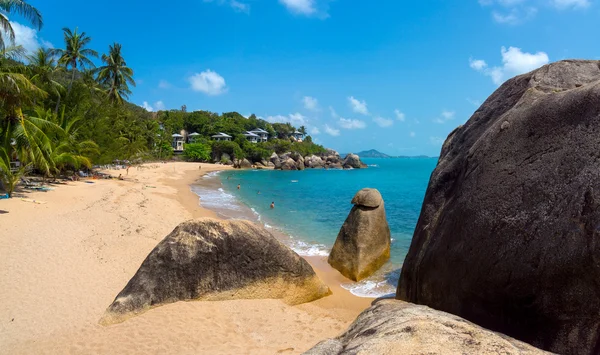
{"points": [[509, 234], [208, 259], [363, 244], [329, 160]]}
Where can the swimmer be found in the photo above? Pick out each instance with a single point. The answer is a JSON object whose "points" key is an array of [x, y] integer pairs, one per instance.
{"points": [[272, 205], [238, 186]]}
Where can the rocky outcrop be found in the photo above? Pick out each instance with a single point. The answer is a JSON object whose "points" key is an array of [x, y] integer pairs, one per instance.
{"points": [[313, 162], [225, 159], [395, 327], [508, 235], [363, 244], [208, 259], [352, 161], [329, 160], [274, 159], [242, 164], [289, 164]]}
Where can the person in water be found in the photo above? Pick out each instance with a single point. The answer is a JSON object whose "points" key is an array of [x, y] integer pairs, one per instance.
{"points": [[238, 186], [272, 205], [258, 193]]}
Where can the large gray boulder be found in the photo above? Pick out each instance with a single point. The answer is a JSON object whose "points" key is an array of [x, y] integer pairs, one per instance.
{"points": [[509, 234], [353, 161], [289, 164], [313, 161], [209, 259], [363, 244], [274, 159], [395, 327]]}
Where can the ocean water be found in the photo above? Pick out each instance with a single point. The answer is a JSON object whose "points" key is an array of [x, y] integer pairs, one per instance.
{"points": [[312, 205]]}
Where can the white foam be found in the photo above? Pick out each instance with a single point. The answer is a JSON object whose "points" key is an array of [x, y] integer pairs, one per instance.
{"points": [[218, 199], [308, 249], [370, 288], [212, 174], [374, 165]]}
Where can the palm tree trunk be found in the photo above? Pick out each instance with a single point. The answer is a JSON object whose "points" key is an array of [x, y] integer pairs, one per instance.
{"points": [[72, 79], [57, 105]]}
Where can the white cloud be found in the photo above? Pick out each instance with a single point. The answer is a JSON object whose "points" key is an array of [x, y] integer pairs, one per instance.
{"points": [[515, 16], [147, 106], [445, 117], [383, 122], [564, 4], [208, 82], [358, 106], [400, 116], [514, 62], [437, 141], [27, 37], [332, 131], [295, 118], [477, 64], [412, 134], [315, 131], [157, 106], [310, 103], [351, 123], [237, 6], [302, 7], [163, 84]]}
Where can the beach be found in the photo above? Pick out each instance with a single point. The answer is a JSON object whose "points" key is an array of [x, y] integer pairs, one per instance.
{"points": [[67, 255]]}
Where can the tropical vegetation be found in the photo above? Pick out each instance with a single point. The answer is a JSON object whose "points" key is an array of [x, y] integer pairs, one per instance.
{"points": [[60, 113]]}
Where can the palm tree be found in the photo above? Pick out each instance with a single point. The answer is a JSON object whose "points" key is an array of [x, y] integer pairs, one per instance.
{"points": [[43, 67], [302, 130], [22, 8], [75, 55], [115, 75]]}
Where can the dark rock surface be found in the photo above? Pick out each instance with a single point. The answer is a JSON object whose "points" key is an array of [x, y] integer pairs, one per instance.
{"points": [[509, 232], [395, 327], [208, 259], [363, 244]]}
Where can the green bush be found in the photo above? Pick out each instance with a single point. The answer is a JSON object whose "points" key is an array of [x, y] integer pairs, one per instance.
{"points": [[229, 147], [196, 152]]}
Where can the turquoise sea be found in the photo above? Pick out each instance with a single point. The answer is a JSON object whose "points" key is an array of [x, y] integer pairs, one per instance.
{"points": [[311, 206]]}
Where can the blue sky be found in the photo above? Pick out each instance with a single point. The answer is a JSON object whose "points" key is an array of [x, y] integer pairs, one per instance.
{"points": [[396, 76]]}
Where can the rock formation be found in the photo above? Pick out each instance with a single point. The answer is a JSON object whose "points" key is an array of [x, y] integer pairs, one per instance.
{"points": [[353, 161], [208, 259], [289, 164], [363, 244], [395, 327], [508, 235]]}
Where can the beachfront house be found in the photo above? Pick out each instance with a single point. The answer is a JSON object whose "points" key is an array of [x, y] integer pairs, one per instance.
{"points": [[177, 142], [298, 136], [193, 136], [263, 135], [251, 137], [221, 137]]}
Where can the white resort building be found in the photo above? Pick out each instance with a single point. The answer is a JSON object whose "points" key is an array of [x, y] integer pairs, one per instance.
{"points": [[251, 137], [221, 137], [298, 136], [263, 135], [177, 142]]}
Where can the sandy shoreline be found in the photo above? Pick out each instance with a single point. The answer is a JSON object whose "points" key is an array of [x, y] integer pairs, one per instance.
{"points": [[63, 262]]}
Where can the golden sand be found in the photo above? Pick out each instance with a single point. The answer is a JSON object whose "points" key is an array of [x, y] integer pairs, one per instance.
{"points": [[63, 260]]}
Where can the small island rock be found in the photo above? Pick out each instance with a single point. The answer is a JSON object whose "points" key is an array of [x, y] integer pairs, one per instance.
{"points": [[363, 244]]}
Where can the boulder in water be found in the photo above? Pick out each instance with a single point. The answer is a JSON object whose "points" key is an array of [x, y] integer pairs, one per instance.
{"points": [[508, 234], [209, 259], [353, 161], [363, 244], [395, 327], [289, 164]]}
